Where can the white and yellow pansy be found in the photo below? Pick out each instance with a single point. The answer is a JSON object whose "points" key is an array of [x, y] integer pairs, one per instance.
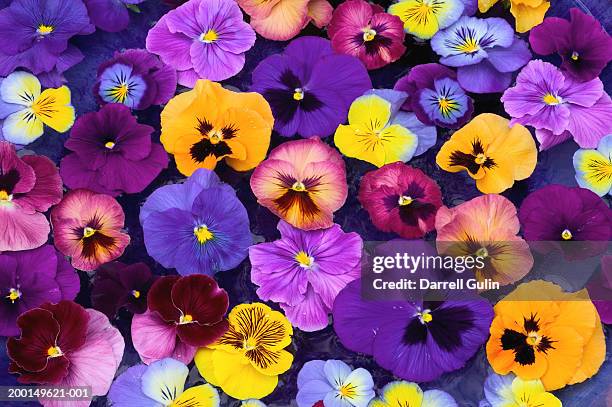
{"points": [[25, 109], [424, 18], [594, 167], [402, 393], [512, 391]]}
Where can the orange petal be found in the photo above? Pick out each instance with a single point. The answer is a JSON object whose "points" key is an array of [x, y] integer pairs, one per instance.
{"points": [[285, 21]]}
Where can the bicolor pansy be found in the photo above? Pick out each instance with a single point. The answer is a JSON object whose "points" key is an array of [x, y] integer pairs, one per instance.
{"points": [[594, 167], [423, 18]]}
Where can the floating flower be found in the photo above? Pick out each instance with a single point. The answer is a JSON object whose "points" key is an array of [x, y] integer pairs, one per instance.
{"points": [[379, 133], [423, 18], [281, 20], [35, 36], [536, 334], [29, 186], [415, 341], [365, 31], [401, 393], [65, 345], [334, 383], [594, 167], [559, 107], [30, 278], [435, 96], [183, 314], [485, 52], [486, 226], [600, 290], [117, 286], [111, 153], [400, 199], [160, 383], [303, 182], [512, 391], [309, 87], [25, 110], [87, 228], [202, 39], [582, 43], [111, 15], [209, 124], [199, 226], [135, 78], [305, 270], [527, 14], [246, 361], [492, 152], [557, 213]]}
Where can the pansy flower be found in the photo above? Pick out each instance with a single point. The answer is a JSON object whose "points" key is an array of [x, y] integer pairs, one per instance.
{"points": [[485, 52], [29, 186], [527, 14], [512, 391], [365, 31], [202, 39], [111, 153], [160, 383], [435, 96], [199, 226], [36, 34], [415, 341], [117, 286], [303, 182], [65, 345], [246, 361], [305, 270], [582, 43], [135, 78], [402, 393], [377, 132], [544, 339], [594, 167], [492, 152], [309, 87], [486, 226], [558, 106], [210, 124], [87, 227], [600, 290], [25, 110], [424, 18], [252, 403], [183, 314], [111, 15], [557, 213], [400, 199], [30, 278], [334, 383], [281, 20]]}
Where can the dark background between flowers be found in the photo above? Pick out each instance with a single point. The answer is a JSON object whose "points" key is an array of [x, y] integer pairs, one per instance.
{"points": [[466, 384]]}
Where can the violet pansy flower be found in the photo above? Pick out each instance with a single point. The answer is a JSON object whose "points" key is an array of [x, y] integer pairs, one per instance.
{"points": [[309, 87], [485, 52], [111, 15], [202, 39]]}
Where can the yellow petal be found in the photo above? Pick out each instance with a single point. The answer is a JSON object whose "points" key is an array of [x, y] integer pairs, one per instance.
{"points": [[369, 113], [365, 147], [204, 362], [241, 380], [402, 393], [528, 17], [198, 396], [22, 127], [399, 143], [485, 5], [523, 390], [54, 109], [276, 362], [419, 18]]}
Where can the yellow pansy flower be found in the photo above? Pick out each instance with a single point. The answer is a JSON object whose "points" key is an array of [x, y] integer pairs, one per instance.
{"points": [[424, 18], [512, 391], [527, 13], [402, 393]]}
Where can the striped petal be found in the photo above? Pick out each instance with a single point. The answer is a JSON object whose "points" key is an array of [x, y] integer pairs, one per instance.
{"points": [[198, 396], [53, 109], [119, 85], [164, 380], [22, 127], [20, 88], [593, 170]]}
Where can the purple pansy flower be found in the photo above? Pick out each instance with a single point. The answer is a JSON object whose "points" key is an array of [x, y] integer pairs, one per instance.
{"points": [[415, 341], [30, 278], [435, 96], [199, 226], [135, 78], [309, 87], [558, 106], [34, 35], [485, 52], [112, 153], [584, 46], [202, 39], [110, 15], [305, 270]]}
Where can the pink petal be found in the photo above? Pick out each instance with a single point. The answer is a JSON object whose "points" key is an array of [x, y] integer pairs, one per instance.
{"points": [[310, 315], [47, 190], [320, 11], [284, 22], [21, 230], [153, 338]]}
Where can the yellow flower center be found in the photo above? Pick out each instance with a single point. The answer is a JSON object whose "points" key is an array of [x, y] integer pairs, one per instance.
{"points": [[425, 316], [215, 137], [369, 34], [45, 29], [347, 391], [480, 159], [14, 294], [533, 338], [566, 234], [298, 186], [88, 232], [482, 252], [298, 94], [209, 36], [203, 234], [469, 46], [136, 293], [185, 319], [404, 200], [54, 351], [574, 56], [304, 259], [249, 344], [551, 99], [5, 196], [110, 145]]}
